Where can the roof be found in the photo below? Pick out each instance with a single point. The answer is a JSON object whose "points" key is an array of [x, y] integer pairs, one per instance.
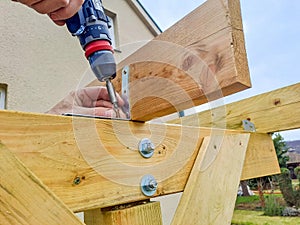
{"points": [[293, 158], [145, 16]]}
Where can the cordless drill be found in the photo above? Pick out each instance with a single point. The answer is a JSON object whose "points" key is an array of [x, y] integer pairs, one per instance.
{"points": [[90, 25]]}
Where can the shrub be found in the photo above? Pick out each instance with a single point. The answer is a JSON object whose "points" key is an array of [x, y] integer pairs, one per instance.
{"points": [[273, 206], [297, 171], [291, 196], [286, 187]]}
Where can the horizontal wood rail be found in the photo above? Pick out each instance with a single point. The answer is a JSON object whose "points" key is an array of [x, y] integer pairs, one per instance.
{"points": [[270, 112], [94, 163]]}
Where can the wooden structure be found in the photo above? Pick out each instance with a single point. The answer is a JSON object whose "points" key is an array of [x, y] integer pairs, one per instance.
{"points": [[52, 166]]}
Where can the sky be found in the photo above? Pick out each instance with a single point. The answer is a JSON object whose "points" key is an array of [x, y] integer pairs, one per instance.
{"points": [[272, 36]]}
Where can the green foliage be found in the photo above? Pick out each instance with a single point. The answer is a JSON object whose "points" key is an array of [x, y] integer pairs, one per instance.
{"points": [[244, 223], [291, 196], [247, 199], [297, 172], [281, 150], [246, 217], [273, 206]]}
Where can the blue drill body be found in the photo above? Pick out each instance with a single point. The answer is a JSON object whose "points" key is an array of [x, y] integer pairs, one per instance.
{"points": [[91, 25]]}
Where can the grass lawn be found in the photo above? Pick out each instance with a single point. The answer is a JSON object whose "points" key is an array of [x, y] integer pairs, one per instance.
{"points": [[247, 217], [248, 212]]}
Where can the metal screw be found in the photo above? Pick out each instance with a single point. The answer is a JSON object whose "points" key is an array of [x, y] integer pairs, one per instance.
{"points": [[148, 185], [77, 180], [152, 185], [146, 148]]}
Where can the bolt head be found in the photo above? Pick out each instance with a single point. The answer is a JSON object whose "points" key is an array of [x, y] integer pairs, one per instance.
{"points": [[148, 185], [146, 148]]}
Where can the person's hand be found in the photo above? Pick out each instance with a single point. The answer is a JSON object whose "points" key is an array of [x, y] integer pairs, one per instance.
{"points": [[93, 101], [58, 10]]}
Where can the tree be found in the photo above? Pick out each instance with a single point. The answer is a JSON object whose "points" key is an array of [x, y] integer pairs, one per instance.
{"points": [[281, 150], [291, 196]]}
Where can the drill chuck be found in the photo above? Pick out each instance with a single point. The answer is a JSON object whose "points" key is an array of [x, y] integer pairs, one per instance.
{"points": [[103, 65]]}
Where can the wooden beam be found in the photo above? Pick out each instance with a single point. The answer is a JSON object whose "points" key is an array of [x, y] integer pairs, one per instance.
{"points": [[140, 214], [261, 159], [92, 163], [200, 58], [270, 112], [211, 190], [24, 199]]}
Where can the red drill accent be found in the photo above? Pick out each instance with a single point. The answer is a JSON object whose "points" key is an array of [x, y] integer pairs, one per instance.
{"points": [[97, 46]]}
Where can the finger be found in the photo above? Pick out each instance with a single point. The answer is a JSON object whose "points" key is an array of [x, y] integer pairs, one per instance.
{"points": [[97, 111], [91, 96], [67, 11], [103, 94], [103, 103], [97, 93], [59, 22], [111, 114], [49, 6]]}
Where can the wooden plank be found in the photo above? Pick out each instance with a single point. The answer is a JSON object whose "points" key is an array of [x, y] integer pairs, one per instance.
{"points": [[210, 193], [270, 112], [261, 159], [24, 199], [200, 58], [141, 214], [92, 163], [93, 217]]}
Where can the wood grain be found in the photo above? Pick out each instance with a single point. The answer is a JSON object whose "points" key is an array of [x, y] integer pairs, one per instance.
{"points": [[24, 199], [199, 59], [262, 157], [94, 163], [210, 193], [270, 112], [142, 214]]}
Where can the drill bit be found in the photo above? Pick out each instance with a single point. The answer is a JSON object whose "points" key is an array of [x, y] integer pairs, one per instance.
{"points": [[113, 97]]}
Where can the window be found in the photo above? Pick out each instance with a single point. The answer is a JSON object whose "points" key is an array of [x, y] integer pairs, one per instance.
{"points": [[2, 96], [113, 29]]}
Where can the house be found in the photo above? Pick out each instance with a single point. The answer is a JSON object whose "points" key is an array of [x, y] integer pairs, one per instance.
{"points": [[41, 63], [294, 156]]}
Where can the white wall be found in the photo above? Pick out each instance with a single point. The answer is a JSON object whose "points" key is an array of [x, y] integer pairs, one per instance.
{"points": [[41, 62]]}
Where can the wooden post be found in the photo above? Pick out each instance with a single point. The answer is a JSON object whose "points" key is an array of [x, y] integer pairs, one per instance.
{"points": [[24, 199], [132, 214], [211, 190]]}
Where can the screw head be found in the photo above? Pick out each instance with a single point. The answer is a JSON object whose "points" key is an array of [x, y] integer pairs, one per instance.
{"points": [[148, 185], [77, 181], [146, 148]]}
